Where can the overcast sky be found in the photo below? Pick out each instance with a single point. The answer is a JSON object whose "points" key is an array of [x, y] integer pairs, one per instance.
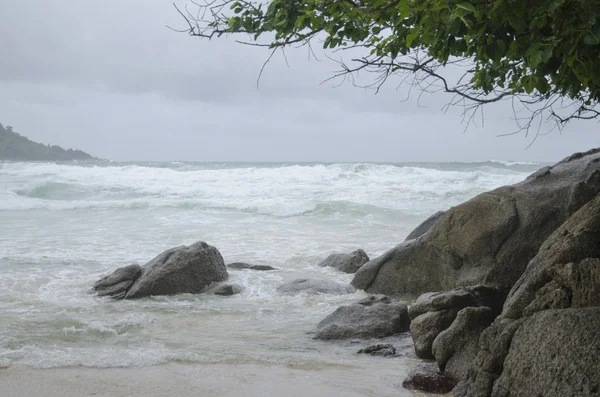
{"points": [[108, 77]]}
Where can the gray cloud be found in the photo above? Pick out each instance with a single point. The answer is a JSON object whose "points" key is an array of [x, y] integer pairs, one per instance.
{"points": [[110, 78]]}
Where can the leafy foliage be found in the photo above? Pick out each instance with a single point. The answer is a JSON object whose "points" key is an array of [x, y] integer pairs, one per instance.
{"points": [[541, 51]]}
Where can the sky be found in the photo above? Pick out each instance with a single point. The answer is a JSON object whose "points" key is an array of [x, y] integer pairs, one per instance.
{"points": [[110, 78]]}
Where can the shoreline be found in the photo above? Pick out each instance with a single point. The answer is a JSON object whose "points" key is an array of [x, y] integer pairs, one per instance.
{"points": [[206, 380]]}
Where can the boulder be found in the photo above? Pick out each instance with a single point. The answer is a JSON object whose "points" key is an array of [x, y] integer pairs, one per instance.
{"points": [[554, 353], [455, 348], [433, 313], [458, 298], [375, 319], [184, 269], [316, 286], [429, 379], [546, 342], [490, 238], [118, 282], [227, 290], [426, 327], [242, 266], [425, 226], [347, 263], [566, 265], [385, 350]]}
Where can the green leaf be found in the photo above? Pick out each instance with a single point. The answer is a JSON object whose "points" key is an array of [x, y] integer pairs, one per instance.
{"points": [[412, 35], [466, 6], [590, 39]]}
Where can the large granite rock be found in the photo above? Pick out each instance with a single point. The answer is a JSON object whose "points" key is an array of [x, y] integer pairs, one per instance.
{"points": [[370, 318], [184, 269], [490, 238], [316, 286], [425, 226], [347, 263], [546, 341], [118, 282]]}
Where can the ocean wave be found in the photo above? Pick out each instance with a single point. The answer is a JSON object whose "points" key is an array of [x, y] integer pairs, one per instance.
{"points": [[281, 190]]}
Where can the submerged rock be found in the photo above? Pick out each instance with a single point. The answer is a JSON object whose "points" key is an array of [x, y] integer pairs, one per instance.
{"points": [[184, 269], [315, 286], [385, 350], [360, 321], [488, 239], [429, 379], [228, 290], [347, 263], [242, 266], [118, 282]]}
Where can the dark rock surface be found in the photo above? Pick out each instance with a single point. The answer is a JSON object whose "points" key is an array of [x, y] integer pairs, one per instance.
{"points": [[364, 321], [425, 226], [243, 266], [118, 282], [490, 238], [384, 350], [429, 379], [315, 286], [347, 263]]}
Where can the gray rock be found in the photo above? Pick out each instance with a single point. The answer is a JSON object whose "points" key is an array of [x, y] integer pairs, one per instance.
{"points": [[489, 239], [373, 299], [347, 263], [425, 226], [569, 259], [385, 350], [118, 282], [455, 348], [227, 289], [315, 286], [243, 266], [184, 269], [545, 343], [429, 379], [458, 298], [360, 321], [554, 353], [426, 327]]}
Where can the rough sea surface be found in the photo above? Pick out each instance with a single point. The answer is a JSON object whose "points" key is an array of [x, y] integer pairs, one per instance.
{"points": [[63, 225]]}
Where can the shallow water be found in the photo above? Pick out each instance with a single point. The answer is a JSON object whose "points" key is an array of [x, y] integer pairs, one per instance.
{"points": [[64, 225]]}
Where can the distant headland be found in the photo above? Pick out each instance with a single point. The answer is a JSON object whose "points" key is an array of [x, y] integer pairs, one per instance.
{"points": [[16, 147]]}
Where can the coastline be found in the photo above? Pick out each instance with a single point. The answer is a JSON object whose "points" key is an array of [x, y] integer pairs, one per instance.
{"points": [[206, 380]]}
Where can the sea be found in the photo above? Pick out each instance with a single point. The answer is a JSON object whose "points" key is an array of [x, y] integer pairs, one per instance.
{"points": [[64, 225]]}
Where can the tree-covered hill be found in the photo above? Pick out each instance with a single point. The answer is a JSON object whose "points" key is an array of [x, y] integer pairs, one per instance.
{"points": [[16, 147]]}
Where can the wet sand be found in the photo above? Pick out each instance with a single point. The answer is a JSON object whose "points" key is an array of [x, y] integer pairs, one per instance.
{"points": [[179, 380]]}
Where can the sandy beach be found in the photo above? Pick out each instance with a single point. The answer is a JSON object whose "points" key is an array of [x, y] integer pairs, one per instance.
{"points": [[198, 380]]}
